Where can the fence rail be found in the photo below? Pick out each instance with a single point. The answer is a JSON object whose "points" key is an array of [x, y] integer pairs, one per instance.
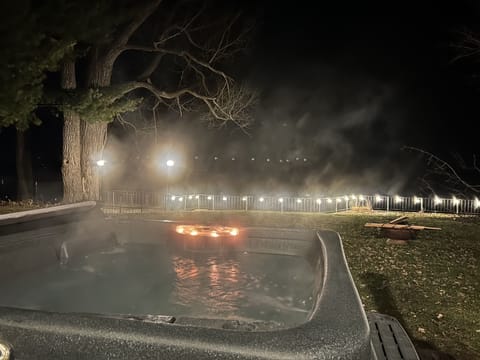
{"points": [[174, 202]]}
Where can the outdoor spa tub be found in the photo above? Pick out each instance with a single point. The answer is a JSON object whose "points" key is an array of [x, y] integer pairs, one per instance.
{"points": [[76, 285]]}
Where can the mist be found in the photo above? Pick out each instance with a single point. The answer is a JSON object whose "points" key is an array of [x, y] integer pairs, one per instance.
{"points": [[325, 132]]}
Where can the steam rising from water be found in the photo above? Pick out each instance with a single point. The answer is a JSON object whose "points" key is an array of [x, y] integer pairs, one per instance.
{"points": [[324, 132]]}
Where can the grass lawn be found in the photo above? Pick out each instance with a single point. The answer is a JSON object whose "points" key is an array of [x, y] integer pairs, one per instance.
{"points": [[432, 285]]}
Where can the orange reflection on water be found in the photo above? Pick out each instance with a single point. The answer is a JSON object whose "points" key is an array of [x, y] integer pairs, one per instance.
{"points": [[211, 286]]}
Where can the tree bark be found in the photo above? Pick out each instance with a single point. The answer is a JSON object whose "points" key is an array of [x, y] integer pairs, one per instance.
{"points": [[94, 135], [93, 142], [24, 166], [71, 170]]}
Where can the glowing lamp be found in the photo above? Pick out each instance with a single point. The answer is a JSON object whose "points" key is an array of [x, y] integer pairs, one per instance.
{"points": [[477, 203]]}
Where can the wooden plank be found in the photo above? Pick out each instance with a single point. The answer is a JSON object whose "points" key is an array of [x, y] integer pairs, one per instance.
{"points": [[399, 220], [399, 226]]}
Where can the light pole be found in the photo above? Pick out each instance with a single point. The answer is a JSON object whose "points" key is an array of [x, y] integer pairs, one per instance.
{"points": [[170, 164], [100, 164]]}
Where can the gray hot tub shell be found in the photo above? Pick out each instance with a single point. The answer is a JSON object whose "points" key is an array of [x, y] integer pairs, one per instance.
{"points": [[337, 327]]}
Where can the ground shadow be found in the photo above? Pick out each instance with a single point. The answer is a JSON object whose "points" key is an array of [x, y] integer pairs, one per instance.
{"points": [[379, 287]]}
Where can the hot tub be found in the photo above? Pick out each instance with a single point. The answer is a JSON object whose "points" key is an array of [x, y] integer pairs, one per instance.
{"points": [[76, 285]]}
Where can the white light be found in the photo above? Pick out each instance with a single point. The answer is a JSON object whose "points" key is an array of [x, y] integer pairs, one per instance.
{"points": [[244, 198], [233, 159], [299, 201], [329, 200], [101, 163], [170, 163], [253, 159], [378, 198], [287, 160], [180, 199], [361, 198], [224, 198], [197, 197], [417, 200], [304, 159], [261, 199], [268, 159], [297, 158], [353, 197], [339, 200], [398, 199], [180, 229], [477, 203], [215, 158], [455, 201], [209, 197], [319, 201], [280, 200], [281, 160], [190, 197], [346, 198], [437, 200], [173, 198]]}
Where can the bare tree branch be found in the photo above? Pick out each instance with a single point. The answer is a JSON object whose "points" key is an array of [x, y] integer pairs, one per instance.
{"points": [[150, 69], [447, 173], [468, 46], [122, 39], [181, 53]]}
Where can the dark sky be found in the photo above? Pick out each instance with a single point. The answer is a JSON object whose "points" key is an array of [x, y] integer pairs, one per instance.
{"points": [[344, 86]]}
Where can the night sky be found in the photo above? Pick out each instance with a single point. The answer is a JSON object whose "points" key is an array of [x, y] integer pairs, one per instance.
{"points": [[343, 87]]}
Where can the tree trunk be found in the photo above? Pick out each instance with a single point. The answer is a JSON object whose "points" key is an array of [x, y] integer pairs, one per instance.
{"points": [[71, 171], [93, 142], [24, 166], [94, 135]]}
